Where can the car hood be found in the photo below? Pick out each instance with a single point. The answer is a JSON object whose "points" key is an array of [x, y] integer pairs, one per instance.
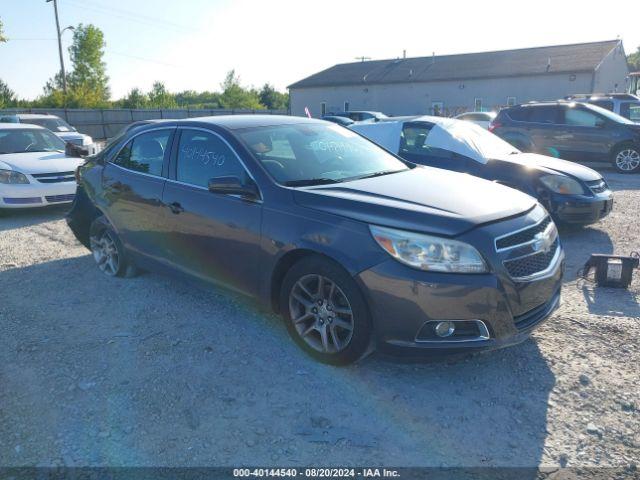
{"points": [[39, 162], [68, 136], [553, 165], [423, 199]]}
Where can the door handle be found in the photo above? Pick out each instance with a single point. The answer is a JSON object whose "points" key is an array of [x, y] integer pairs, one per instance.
{"points": [[176, 208]]}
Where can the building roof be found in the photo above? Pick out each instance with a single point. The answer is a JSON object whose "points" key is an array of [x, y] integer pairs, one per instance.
{"points": [[579, 57]]}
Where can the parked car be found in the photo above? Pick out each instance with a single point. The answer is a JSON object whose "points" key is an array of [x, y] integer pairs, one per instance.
{"points": [[361, 115], [482, 119], [354, 247], [573, 131], [571, 193], [57, 125], [624, 104], [34, 170], [344, 121]]}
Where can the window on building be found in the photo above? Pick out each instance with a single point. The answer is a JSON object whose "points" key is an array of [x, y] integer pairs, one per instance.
{"points": [[202, 156], [477, 105], [145, 153], [346, 106], [511, 101], [323, 109]]}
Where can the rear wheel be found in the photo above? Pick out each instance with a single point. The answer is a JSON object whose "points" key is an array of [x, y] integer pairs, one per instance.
{"points": [[325, 311], [626, 159], [108, 252]]}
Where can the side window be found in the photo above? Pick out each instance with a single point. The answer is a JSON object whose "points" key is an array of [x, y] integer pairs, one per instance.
{"points": [[413, 139], [603, 103], [519, 114], [145, 153], [202, 156], [579, 117], [544, 114]]}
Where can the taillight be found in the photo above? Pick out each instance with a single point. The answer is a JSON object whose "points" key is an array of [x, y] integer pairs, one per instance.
{"points": [[494, 125]]}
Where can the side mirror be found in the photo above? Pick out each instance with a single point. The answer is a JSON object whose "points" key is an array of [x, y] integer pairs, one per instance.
{"points": [[72, 150], [234, 186]]}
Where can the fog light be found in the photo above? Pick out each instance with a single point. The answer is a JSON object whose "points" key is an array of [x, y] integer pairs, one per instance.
{"points": [[445, 329]]}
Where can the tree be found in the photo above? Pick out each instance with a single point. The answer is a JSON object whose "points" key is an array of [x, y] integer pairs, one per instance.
{"points": [[634, 61], [89, 70], [136, 98], [87, 83], [272, 99], [2, 37], [159, 97], [235, 96], [7, 96]]}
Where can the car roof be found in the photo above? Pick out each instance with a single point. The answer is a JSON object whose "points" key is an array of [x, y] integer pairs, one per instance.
{"points": [[35, 115], [236, 122], [20, 126]]}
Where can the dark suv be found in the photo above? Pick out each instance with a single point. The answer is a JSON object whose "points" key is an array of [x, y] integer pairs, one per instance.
{"points": [[573, 131]]}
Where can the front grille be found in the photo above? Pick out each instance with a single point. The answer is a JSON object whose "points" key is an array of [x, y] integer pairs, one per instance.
{"points": [[598, 186], [55, 177], [60, 198], [75, 141], [531, 264], [522, 236]]}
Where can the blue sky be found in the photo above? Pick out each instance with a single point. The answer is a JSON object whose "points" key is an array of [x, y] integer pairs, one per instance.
{"points": [[191, 44]]}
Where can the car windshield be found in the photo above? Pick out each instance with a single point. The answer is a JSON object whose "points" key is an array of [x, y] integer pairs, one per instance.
{"points": [[610, 115], [472, 137], [29, 140], [53, 124], [308, 154]]}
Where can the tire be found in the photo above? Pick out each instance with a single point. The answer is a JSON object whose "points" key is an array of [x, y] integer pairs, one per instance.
{"points": [[626, 158], [310, 308], [107, 250]]}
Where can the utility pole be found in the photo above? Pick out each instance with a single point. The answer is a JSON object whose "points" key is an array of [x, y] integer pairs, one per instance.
{"points": [[64, 76]]}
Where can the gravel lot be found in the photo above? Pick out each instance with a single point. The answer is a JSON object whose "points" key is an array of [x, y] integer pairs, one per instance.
{"points": [[154, 371]]}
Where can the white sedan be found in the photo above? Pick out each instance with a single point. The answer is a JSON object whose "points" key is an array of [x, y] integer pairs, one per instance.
{"points": [[34, 170], [482, 119]]}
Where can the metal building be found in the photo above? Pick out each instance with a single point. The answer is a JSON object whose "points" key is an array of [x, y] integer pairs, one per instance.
{"points": [[451, 84]]}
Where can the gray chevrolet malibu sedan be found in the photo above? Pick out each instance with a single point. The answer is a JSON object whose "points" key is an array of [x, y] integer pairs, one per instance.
{"points": [[354, 247]]}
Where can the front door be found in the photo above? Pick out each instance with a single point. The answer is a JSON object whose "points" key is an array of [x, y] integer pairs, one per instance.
{"points": [[133, 182], [214, 237], [590, 134]]}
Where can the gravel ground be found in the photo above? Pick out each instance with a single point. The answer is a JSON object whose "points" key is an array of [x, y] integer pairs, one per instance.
{"points": [[153, 371]]}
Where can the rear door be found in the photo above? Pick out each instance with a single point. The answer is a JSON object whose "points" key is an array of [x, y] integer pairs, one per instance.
{"points": [[133, 182], [545, 131], [213, 237]]}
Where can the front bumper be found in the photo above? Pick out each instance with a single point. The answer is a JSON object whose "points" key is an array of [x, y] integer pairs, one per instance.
{"points": [[581, 209], [402, 300], [36, 194]]}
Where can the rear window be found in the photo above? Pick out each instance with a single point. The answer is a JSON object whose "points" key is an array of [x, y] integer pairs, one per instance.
{"points": [[518, 114], [543, 114], [608, 104]]}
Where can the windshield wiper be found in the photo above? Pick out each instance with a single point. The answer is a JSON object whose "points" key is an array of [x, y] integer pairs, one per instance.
{"points": [[376, 174], [310, 181]]}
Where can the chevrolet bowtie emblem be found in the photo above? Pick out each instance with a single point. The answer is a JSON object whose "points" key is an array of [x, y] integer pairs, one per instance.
{"points": [[543, 241]]}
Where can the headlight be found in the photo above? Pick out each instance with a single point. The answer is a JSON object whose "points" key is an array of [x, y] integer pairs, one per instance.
{"points": [[9, 176], [562, 184], [87, 140], [429, 253]]}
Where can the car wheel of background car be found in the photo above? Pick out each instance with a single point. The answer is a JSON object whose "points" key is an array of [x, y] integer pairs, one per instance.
{"points": [[325, 311], [626, 159], [107, 250]]}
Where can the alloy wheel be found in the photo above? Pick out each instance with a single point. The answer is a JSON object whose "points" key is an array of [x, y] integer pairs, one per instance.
{"points": [[628, 159], [105, 253], [321, 313]]}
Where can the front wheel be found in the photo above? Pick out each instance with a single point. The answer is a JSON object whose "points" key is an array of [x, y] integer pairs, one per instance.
{"points": [[626, 159], [325, 311]]}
